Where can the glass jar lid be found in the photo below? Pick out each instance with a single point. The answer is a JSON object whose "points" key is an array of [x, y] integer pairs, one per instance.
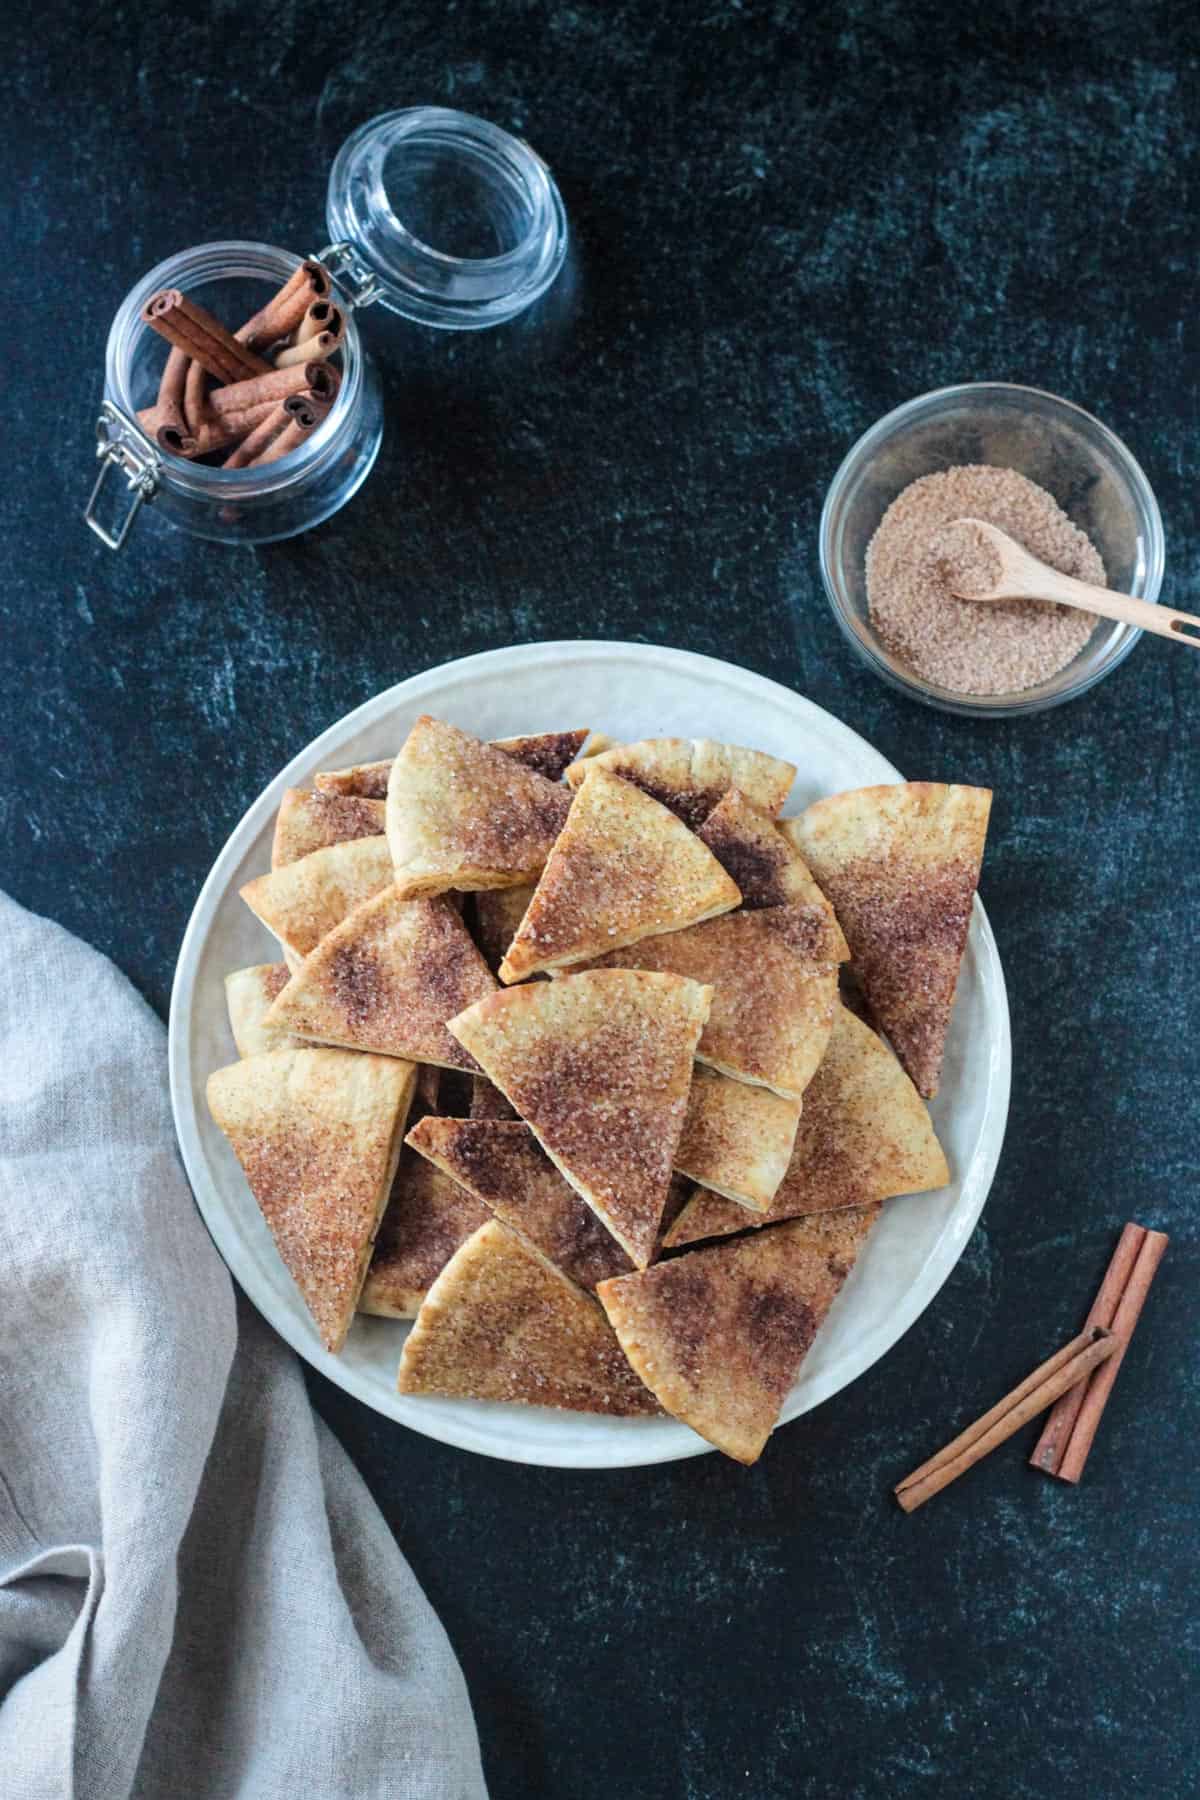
{"points": [[457, 224]]}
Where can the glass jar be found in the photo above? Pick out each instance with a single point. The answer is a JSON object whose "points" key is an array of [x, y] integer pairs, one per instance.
{"points": [[436, 215]]}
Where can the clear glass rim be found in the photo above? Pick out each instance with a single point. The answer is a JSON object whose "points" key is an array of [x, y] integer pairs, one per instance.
{"points": [[505, 284], [189, 269], [1044, 695]]}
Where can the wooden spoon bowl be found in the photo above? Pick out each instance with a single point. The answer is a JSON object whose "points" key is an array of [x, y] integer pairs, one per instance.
{"points": [[1013, 574]]}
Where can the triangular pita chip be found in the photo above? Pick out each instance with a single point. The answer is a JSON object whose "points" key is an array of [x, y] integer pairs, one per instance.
{"points": [[306, 822], [691, 774], [719, 1335], [367, 781], [864, 1135], [600, 1066], [387, 979], [623, 869], [427, 1217], [597, 744], [737, 1139], [249, 996], [304, 902], [767, 868], [461, 814], [547, 752], [901, 865], [500, 1323], [774, 996], [318, 1133], [498, 914], [503, 1165]]}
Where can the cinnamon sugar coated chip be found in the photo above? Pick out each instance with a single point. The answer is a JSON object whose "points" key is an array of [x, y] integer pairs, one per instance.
{"points": [[463, 814], [502, 1164], [501, 1324], [864, 1135], [901, 863], [736, 1139], [387, 979], [774, 984], [998, 648], [318, 1135], [690, 775], [546, 752], [600, 1066], [303, 902], [249, 996], [719, 1335], [623, 867], [307, 822], [426, 1218]]}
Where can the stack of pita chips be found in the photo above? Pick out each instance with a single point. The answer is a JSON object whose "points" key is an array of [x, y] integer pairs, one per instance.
{"points": [[635, 966]]}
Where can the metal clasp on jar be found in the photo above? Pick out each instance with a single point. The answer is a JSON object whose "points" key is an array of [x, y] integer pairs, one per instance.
{"points": [[121, 446], [359, 284]]}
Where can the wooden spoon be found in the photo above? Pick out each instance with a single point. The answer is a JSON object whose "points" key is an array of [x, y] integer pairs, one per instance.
{"points": [[1020, 576]]}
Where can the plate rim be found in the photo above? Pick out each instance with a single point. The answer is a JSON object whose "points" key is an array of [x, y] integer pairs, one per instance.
{"points": [[943, 1257]]}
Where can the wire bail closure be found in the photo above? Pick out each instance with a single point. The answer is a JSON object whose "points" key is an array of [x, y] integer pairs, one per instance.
{"points": [[358, 284], [121, 445]]}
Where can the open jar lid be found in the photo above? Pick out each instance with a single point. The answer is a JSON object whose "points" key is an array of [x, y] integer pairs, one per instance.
{"points": [[451, 221]]}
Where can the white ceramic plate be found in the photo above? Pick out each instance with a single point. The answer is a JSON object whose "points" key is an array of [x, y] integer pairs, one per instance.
{"points": [[629, 691]]}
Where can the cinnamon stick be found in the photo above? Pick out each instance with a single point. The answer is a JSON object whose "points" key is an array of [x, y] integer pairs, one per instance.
{"points": [[264, 434], [1072, 1364], [322, 315], [169, 405], [284, 311], [214, 433], [313, 349], [306, 411], [187, 326], [1073, 1445], [1057, 1430], [194, 395], [276, 384]]}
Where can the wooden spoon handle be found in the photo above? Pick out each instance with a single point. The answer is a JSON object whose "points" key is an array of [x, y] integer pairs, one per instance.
{"points": [[1183, 627]]}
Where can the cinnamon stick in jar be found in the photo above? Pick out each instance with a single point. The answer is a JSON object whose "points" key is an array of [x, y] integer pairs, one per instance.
{"points": [[214, 433], [313, 349], [264, 434], [190, 328], [171, 432], [322, 315], [282, 314], [304, 413], [194, 394], [276, 384]]}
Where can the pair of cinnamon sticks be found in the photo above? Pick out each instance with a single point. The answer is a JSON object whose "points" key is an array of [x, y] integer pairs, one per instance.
{"points": [[258, 410], [1076, 1381]]}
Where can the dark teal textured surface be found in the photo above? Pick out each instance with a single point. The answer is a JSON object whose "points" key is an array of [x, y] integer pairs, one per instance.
{"points": [[787, 220]]}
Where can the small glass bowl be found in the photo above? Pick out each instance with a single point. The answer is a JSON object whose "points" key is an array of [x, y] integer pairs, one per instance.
{"points": [[1073, 456]]}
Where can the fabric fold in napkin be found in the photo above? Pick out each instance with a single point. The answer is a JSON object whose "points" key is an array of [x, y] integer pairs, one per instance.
{"points": [[197, 1594]]}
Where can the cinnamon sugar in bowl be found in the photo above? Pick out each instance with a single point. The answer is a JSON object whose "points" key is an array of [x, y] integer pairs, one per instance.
{"points": [[1080, 465]]}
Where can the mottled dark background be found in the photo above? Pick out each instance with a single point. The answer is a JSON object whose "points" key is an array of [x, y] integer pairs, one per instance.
{"points": [[787, 220]]}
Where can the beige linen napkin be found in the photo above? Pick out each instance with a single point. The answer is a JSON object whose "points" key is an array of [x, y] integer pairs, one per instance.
{"points": [[197, 1594]]}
